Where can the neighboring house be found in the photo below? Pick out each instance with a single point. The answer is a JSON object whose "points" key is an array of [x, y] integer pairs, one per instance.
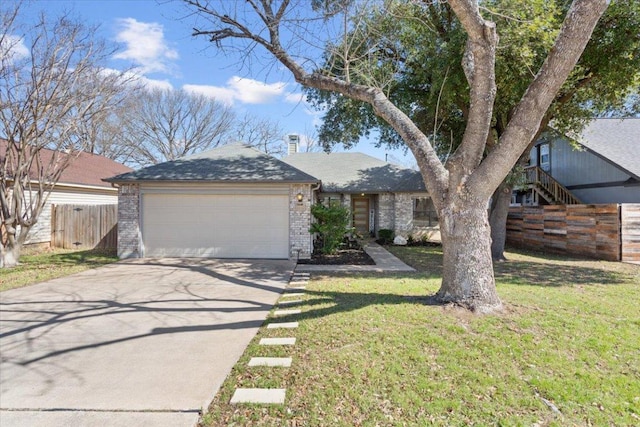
{"points": [[237, 202], [604, 168], [81, 183]]}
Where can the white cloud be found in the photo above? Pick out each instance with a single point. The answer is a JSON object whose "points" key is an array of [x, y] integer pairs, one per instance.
{"points": [[220, 94], [243, 90], [295, 98], [155, 84], [136, 78], [13, 48], [145, 46], [254, 92]]}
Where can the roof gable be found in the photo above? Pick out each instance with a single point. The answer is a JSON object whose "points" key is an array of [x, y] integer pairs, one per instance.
{"points": [[229, 163], [615, 140], [85, 169], [356, 173]]}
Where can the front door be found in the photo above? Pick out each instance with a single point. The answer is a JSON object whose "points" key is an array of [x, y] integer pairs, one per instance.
{"points": [[360, 210]]}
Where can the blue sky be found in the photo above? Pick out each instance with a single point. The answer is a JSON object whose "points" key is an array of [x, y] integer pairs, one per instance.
{"points": [[155, 40]]}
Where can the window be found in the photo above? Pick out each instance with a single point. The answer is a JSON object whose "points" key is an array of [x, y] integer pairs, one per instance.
{"points": [[331, 200], [424, 212], [544, 157]]}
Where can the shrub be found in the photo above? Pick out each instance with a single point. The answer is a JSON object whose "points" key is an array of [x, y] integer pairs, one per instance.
{"points": [[331, 224], [385, 236]]}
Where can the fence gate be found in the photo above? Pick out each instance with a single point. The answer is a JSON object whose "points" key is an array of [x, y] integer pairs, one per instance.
{"points": [[84, 226], [630, 225]]}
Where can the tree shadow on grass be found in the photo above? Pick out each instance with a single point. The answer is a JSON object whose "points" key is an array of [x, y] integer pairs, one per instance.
{"points": [[89, 257], [554, 275], [540, 270]]}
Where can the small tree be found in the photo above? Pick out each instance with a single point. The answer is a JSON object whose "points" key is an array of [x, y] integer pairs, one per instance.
{"points": [[51, 82], [332, 224]]}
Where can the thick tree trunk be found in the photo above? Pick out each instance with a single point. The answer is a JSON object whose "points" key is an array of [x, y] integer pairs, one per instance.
{"points": [[498, 220], [467, 267]]}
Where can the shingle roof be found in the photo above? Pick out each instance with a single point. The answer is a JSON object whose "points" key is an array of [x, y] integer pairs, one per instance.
{"points": [[616, 140], [356, 173], [86, 169], [229, 163]]}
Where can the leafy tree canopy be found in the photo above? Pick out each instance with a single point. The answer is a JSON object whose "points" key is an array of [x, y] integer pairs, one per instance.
{"points": [[415, 51]]}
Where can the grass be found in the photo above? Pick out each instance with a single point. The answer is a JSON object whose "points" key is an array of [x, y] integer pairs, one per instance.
{"points": [[40, 265], [372, 351]]}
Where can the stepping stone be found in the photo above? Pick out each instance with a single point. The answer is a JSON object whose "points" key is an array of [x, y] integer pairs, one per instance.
{"points": [[259, 395], [283, 325], [298, 283], [292, 294], [285, 362], [292, 302], [277, 341], [279, 313], [295, 289]]}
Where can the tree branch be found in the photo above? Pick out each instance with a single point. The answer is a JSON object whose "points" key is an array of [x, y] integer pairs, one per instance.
{"points": [[574, 35]]}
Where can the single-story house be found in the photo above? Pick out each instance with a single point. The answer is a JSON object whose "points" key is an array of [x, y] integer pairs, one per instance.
{"points": [[81, 183], [237, 202], [601, 165], [380, 195]]}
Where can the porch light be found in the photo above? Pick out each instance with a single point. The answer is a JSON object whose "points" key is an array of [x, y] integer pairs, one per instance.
{"points": [[300, 197]]}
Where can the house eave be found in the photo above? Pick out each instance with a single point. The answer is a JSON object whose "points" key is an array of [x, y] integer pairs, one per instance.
{"points": [[207, 181]]}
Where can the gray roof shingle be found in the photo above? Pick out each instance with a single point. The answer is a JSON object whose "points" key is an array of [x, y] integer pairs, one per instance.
{"points": [[616, 140], [356, 173], [230, 163]]}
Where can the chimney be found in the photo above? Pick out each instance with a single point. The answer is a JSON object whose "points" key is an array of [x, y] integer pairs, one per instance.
{"points": [[292, 144]]}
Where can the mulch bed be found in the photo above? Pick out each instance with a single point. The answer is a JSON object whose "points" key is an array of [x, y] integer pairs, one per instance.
{"points": [[343, 257]]}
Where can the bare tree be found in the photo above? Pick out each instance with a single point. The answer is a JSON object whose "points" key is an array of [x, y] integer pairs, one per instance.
{"points": [[165, 125], [50, 84], [462, 187], [262, 133], [310, 143]]}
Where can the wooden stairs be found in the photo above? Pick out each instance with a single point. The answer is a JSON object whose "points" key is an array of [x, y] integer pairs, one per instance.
{"points": [[547, 187]]}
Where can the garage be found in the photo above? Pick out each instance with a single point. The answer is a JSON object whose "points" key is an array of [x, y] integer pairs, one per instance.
{"points": [[233, 201], [215, 225]]}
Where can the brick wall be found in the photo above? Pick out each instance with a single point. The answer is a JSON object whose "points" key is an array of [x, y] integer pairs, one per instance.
{"points": [[403, 210], [385, 214], [300, 245], [129, 221]]}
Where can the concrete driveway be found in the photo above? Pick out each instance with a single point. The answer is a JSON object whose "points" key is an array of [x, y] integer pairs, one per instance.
{"points": [[143, 342]]}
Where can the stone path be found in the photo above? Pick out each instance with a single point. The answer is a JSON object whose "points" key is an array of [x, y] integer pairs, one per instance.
{"points": [[385, 262], [270, 396]]}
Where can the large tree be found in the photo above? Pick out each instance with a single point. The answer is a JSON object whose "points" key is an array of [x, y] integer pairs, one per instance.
{"points": [[437, 101], [162, 125], [463, 186], [51, 83]]}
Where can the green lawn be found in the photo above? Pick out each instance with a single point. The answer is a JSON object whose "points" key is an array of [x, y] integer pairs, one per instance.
{"points": [[39, 266], [372, 351]]}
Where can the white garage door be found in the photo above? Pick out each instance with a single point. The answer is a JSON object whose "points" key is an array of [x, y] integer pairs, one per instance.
{"points": [[217, 226]]}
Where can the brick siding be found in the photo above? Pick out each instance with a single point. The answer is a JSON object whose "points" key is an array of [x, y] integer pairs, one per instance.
{"points": [[300, 222], [129, 237]]}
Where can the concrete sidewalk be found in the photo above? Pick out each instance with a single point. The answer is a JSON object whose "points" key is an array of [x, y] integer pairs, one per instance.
{"points": [[385, 263]]}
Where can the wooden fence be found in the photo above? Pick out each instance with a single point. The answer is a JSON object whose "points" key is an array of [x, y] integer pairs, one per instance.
{"points": [[610, 232], [84, 226], [630, 228]]}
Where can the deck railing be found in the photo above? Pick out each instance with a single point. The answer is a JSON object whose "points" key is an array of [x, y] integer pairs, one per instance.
{"points": [[541, 180]]}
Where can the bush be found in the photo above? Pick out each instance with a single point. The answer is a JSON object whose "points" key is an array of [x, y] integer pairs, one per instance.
{"points": [[331, 224], [385, 236]]}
